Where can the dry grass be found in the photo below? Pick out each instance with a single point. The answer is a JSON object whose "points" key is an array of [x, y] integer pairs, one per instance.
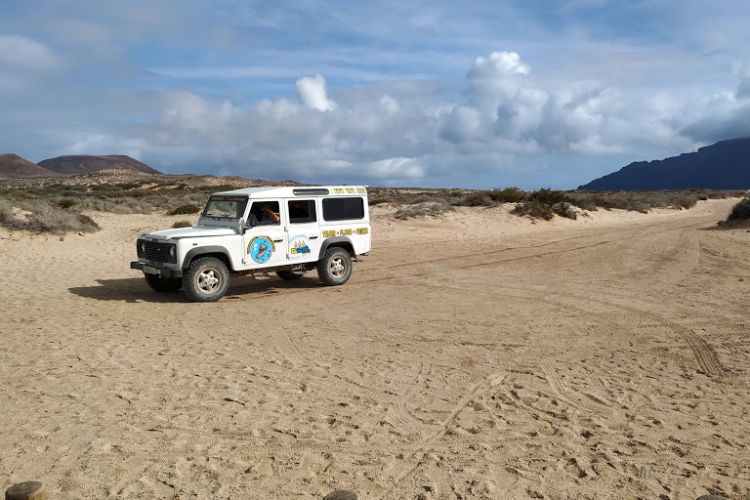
{"points": [[741, 211], [543, 202], [189, 209], [59, 208], [44, 217], [182, 223]]}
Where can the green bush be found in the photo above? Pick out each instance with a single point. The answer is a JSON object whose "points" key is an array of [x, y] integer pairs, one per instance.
{"points": [[534, 209], [741, 211], [549, 197], [507, 195], [479, 199], [182, 223], [66, 203], [185, 210]]}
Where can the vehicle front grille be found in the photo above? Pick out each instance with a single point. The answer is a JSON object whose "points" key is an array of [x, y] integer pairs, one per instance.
{"points": [[156, 251]]}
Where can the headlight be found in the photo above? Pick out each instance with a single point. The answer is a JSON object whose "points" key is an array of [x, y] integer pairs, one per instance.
{"points": [[143, 247], [172, 251]]}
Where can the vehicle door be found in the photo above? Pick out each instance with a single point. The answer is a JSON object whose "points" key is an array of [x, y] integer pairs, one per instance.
{"points": [[266, 245], [304, 231]]}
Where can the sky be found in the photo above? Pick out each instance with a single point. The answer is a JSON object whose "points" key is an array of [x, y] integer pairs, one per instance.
{"points": [[472, 94]]}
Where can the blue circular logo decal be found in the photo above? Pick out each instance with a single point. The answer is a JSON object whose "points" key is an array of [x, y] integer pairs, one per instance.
{"points": [[260, 249]]}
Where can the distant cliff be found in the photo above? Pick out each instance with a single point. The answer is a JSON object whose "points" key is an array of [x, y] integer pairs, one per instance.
{"points": [[724, 165]]}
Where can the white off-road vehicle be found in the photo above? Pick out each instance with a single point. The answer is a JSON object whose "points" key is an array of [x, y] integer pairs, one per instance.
{"points": [[257, 231]]}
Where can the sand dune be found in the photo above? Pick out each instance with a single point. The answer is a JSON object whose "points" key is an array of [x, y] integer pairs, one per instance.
{"points": [[471, 356]]}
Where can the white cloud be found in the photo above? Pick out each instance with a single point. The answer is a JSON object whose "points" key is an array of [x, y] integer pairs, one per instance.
{"points": [[464, 124], [743, 91], [20, 52], [508, 123], [104, 144], [390, 168], [498, 65], [389, 105], [312, 91], [281, 108]]}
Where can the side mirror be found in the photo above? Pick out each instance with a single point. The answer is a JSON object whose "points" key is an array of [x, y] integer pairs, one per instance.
{"points": [[252, 221]]}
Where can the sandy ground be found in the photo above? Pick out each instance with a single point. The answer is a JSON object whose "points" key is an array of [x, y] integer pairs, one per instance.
{"points": [[476, 355]]}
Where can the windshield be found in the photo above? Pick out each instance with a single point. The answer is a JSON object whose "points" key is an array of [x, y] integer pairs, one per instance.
{"points": [[225, 207]]}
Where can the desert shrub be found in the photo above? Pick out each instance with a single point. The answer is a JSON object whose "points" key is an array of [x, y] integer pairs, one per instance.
{"points": [[457, 201], [688, 200], [7, 219], [534, 209], [507, 195], [66, 203], [741, 211], [492, 197], [548, 197], [377, 201], [643, 201], [565, 209], [45, 218], [623, 200], [182, 223], [185, 210], [88, 224], [480, 199], [14, 196], [422, 210]]}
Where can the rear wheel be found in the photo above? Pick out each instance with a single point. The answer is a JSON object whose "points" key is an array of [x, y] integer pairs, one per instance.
{"points": [[160, 284], [288, 275], [206, 280], [335, 267]]}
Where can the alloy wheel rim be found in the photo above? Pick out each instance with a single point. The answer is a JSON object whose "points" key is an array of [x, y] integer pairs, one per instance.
{"points": [[209, 280], [338, 267]]}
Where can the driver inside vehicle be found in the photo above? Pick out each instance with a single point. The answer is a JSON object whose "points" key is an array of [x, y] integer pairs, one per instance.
{"points": [[266, 215]]}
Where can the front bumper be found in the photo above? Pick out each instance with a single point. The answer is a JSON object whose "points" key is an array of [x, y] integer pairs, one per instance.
{"points": [[164, 272]]}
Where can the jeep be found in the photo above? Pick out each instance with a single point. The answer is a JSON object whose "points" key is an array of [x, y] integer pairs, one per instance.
{"points": [[257, 231]]}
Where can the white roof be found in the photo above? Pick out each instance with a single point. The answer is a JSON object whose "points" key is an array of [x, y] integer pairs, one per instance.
{"points": [[291, 191]]}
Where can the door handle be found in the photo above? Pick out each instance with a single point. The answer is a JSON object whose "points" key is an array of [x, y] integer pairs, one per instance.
{"points": [[279, 240], [313, 237]]}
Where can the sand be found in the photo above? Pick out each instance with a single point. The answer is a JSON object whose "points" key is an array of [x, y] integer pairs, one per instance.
{"points": [[471, 356]]}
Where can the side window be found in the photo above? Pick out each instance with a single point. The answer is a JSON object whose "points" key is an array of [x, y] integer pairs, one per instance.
{"points": [[302, 211], [335, 209], [266, 212]]}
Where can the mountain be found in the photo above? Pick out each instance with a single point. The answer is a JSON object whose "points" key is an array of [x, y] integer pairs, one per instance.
{"points": [[86, 164], [14, 166], [724, 165]]}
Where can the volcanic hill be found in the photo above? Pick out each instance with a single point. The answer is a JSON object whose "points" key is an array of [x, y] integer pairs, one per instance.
{"points": [[13, 166], [724, 165], [86, 164]]}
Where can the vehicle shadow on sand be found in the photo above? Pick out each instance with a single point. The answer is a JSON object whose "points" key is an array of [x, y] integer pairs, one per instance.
{"points": [[136, 290]]}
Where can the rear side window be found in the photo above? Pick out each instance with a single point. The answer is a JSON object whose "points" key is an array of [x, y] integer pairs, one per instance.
{"points": [[335, 209], [302, 211]]}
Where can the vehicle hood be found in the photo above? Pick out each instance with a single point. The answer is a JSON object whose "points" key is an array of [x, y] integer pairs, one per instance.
{"points": [[191, 232]]}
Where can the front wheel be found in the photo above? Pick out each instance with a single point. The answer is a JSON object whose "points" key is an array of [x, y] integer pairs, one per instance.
{"points": [[160, 284], [206, 280], [335, 267]]}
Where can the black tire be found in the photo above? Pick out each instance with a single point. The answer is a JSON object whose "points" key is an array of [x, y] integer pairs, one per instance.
{"points": [[206, 280], [288, 275], [335, 267], [159, 284]]}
